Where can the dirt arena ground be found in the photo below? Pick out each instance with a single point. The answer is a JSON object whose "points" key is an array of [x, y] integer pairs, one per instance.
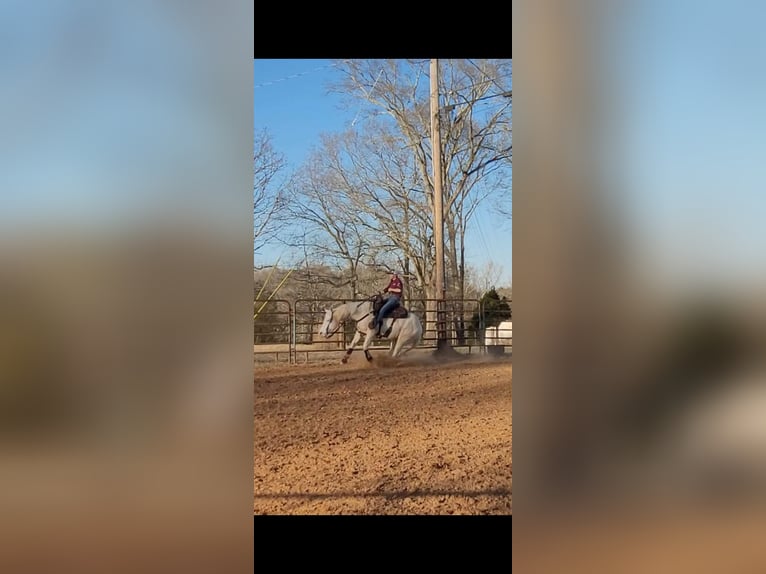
{"points": [[415, 436]]}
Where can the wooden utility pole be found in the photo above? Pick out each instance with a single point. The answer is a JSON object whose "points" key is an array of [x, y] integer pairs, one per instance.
{"points": [[436, 156]]}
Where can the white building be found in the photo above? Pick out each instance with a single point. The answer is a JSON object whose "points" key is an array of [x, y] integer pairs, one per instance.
{"points": [[500, 335]]}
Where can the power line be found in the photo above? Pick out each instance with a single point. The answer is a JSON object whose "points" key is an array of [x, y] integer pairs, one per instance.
{"points": [[356, 117], [493, 80], [478, 226], [473, 85], [506, 94], [298, 75]]}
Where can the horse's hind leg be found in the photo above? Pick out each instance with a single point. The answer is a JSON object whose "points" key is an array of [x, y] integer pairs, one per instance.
{"points": [[398, 348], [409, 348], [410, 344]]}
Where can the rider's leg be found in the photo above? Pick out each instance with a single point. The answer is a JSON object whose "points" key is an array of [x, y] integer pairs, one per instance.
{"points": [[376, 321], [392, 302]]}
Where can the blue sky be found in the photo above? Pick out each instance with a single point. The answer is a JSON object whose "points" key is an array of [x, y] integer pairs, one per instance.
{"points": [[690, 87], [291, 101], [103, 133]]}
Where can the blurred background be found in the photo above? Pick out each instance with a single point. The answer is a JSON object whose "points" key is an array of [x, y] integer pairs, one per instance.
{"points": [[640, 403], [126, 279], [125, 286]]}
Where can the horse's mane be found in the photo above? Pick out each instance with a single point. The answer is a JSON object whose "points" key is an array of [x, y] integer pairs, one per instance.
{"points": [[350, 307]]}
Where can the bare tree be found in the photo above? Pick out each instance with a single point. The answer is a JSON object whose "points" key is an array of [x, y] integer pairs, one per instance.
{"points": [[476, 129], [267, 193], [484, 277], [354, 201], [503, 206], [375, 176], [329, 231]]}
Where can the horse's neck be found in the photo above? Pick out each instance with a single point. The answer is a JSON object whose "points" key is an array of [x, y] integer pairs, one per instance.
{"points": [[345, 311], [355, 311]]}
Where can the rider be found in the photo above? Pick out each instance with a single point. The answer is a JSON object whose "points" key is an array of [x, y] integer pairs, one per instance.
{"points": [[394, 291]]}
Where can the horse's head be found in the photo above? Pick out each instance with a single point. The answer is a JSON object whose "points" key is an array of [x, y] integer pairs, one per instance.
{"points": [[329, 324]]}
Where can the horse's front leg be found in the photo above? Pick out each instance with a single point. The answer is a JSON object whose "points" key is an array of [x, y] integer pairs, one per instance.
{"points": [[367, 341], [350, 349]]}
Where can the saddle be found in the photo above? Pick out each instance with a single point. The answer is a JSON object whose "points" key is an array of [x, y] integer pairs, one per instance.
{"points": [[398, 312]]}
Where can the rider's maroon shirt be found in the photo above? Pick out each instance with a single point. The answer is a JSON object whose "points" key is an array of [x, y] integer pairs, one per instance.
{"points": [[394, 286]]}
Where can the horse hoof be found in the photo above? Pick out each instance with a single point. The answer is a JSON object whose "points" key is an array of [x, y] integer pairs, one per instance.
{"points": [[344, 360]]}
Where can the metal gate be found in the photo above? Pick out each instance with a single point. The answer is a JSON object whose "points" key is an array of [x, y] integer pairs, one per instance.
{"points": [[273, 329], [463, 317]]}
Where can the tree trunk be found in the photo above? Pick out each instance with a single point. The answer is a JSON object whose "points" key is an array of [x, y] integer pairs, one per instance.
{"points": [[353, 281], [459, 315]]}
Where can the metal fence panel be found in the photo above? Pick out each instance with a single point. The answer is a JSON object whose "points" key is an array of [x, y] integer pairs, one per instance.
{"points": [[464, 324], [273, 328]]}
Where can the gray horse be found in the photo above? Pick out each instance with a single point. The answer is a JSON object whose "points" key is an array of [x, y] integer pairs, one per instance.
{"points": [[404, 333]]}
